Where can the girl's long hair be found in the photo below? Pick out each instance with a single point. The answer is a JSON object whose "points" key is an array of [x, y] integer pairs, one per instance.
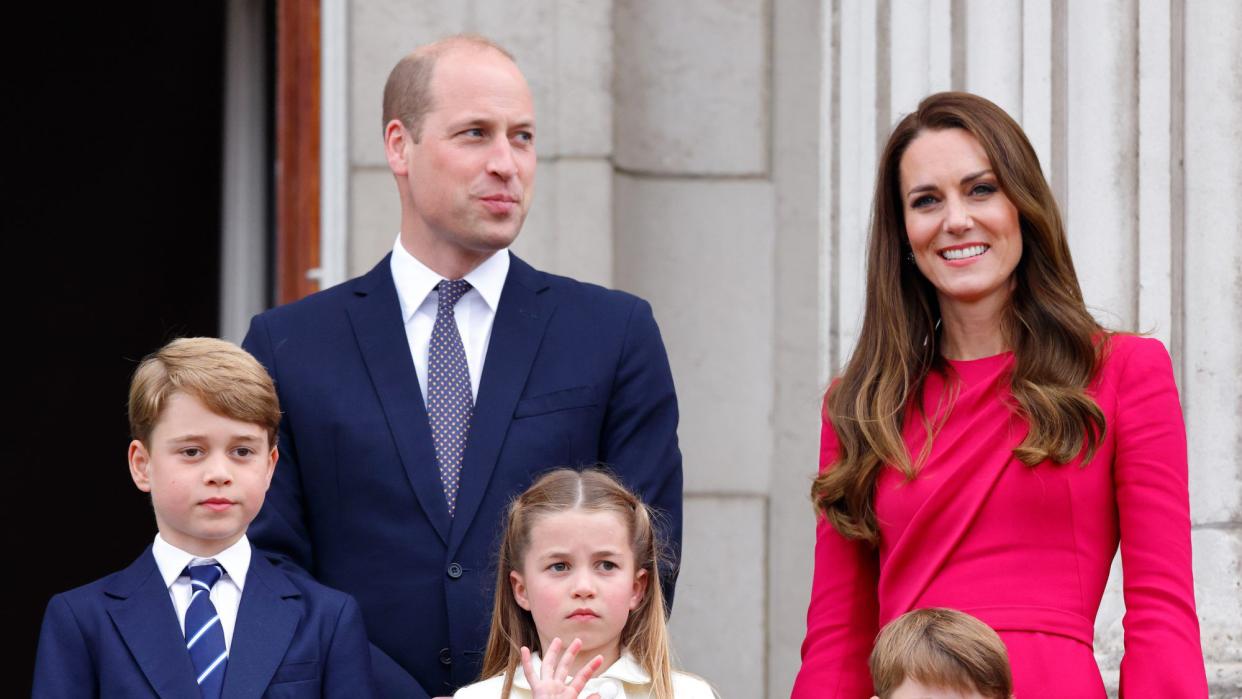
{"points": [[645, 634], [1056, 342]]}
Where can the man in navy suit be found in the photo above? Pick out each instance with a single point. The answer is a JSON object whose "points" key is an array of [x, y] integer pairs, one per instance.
{"points": [[424, 395], [200, 613]]}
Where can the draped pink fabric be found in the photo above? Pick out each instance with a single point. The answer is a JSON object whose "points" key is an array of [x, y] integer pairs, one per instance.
{"points": [[1027, 550]]}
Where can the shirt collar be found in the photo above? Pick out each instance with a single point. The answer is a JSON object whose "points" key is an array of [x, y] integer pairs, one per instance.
{"points": [[625, 670], [415, 280], [172, 561]]}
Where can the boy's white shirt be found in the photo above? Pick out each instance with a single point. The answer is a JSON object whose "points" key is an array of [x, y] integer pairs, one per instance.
{"points": [[624, 679], [225, 594]]}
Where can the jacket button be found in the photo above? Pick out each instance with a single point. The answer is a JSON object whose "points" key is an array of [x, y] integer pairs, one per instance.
{"points": [[454, 570], [446, 658]]}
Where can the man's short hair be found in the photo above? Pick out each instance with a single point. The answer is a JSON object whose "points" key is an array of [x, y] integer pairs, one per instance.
{"points": [[942, 648], [223, 376], [407, 94]]}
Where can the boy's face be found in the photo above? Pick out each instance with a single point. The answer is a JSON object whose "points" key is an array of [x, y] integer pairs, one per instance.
{"points": [[207, 474]]}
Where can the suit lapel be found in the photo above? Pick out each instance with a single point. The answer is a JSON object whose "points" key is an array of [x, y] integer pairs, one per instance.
{"points": [[517, 331], [376, 318], [144, 617], [266, 622]]}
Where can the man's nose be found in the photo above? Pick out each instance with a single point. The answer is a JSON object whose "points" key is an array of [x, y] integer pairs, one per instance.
{"points": [[500, 161]]}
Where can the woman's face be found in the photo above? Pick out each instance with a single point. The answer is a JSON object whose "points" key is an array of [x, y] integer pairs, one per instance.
{"points": [[963, 230]]}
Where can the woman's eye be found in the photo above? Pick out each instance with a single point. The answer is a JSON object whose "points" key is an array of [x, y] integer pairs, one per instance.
{"points": [[981, 190], [925, 200], [607, 565], [558, 567]]}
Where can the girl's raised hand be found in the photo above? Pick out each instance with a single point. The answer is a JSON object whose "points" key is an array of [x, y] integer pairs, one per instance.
{"points": [[551, 684]]}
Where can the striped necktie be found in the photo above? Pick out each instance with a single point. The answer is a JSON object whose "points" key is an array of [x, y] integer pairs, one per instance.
{"points": [[450, 400], [204, 637]]}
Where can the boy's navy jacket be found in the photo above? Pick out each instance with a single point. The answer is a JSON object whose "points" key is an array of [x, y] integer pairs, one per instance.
{"points": [[119, 637]]}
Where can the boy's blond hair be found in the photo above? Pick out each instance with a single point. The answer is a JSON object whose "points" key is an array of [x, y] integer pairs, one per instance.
{"points": [[941, 648], [225, 377]]}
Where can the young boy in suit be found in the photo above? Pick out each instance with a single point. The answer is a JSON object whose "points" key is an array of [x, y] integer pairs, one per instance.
{"points": [[939, 653], [201, 613]]}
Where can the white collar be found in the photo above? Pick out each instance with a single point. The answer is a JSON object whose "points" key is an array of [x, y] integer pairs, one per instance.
{"points": [[415, 280], [625, 670], [172, 561]]}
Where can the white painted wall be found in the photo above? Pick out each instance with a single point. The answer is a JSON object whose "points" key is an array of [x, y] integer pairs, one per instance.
{"points": [[717, 157]]}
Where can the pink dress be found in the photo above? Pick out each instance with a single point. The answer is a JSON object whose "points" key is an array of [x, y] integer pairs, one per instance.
{"points": [[1027, 550]]}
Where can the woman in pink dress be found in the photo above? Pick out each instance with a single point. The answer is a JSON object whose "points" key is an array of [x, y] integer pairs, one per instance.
{"points": [[989, 445]]}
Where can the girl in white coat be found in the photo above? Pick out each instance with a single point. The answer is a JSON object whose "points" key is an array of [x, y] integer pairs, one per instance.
{"points": [[579, 564]]}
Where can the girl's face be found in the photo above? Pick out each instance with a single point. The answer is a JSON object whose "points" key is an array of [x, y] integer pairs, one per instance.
{"points": [[579, 580], [963, 230]]}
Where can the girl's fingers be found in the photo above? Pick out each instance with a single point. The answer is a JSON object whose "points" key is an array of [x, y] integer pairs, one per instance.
{"points": [[587, 672], [562, 668], [548, 670], [526, 666]]}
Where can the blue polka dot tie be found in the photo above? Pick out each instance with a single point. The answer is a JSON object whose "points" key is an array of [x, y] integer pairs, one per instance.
{"points": [[203, 635], [450, 402]]}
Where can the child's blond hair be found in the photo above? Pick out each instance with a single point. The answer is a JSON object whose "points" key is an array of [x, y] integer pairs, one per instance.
{"points": [[941, 648], [645, 634], [225, 377]]}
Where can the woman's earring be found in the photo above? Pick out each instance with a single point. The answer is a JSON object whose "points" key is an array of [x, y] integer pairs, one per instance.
{"points": [[910, 256]]}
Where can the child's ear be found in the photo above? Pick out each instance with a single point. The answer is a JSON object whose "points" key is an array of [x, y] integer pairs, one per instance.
{"points": [[139, 465], [519, 589], [272, 457], [640, 589]]}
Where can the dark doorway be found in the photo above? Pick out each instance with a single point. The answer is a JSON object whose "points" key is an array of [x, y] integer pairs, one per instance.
{"points": [[115, 211]]}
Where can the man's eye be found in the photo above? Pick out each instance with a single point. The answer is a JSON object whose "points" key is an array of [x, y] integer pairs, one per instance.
{"points": [[473, 133], [191, 452], [524, 137], [243, 451]]}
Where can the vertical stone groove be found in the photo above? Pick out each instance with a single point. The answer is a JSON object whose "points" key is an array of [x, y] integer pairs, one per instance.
{"points": [[1177, 187]]}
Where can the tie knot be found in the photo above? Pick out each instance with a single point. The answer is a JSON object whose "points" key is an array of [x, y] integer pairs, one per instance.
{"points": [[206, 575], [451, 291]]}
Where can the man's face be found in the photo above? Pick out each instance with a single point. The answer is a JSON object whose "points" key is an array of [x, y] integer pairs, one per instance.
{"points": [[471, 174]]}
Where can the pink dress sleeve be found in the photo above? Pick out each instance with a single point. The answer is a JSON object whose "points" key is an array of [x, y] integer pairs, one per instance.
{"points": [[842, 621], [1163, 657]]}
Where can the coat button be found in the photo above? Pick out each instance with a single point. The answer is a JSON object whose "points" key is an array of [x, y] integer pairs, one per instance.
{"points": [[454, 570], [446, 658]]}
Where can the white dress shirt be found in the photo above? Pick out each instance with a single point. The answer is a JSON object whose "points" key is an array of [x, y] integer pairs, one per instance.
{"points": [[624, 679], [225, 594], [475, 310]]}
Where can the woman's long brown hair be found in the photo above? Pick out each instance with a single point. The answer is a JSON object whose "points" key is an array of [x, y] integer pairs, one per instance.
{"points": [[645, 634], [1056, 342]]}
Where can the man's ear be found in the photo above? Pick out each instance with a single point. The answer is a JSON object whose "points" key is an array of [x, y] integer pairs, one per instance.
{"points": [[519, 590], [396, 141], [140, 465]]}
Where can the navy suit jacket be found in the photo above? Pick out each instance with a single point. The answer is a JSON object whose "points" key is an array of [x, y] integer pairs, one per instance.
{"points": [[119, 637], [574, 374]]}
